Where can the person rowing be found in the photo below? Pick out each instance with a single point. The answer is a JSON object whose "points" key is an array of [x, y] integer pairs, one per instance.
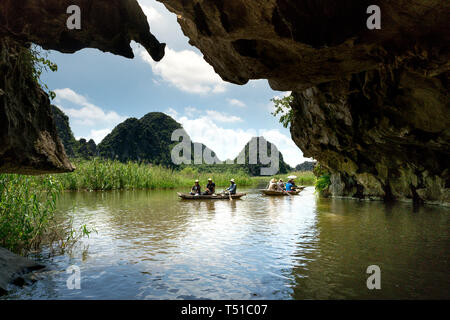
{"points": [[294, 186], [289, 186], [210, 187], [232, 188], [196, 189]]}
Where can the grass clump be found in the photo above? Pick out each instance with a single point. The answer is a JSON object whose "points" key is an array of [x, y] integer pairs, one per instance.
{"points": [[27, 206], [100, 174]]}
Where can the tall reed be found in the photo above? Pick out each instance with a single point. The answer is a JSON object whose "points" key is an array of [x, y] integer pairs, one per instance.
{"points": [[99, 174]]}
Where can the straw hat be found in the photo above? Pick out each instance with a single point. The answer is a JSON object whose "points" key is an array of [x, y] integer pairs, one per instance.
{"points": [[273, 180], [232, 180], [209, 179], [196, 180]]}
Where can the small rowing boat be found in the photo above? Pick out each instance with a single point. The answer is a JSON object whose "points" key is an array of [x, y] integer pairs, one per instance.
{"points": [[280, 193], [211, 196]]}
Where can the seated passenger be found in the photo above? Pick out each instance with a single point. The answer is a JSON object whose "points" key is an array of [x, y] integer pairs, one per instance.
{"points": [[232, 188], [273, 185], [196, 188], [289, 186], [281, 185], [210, 187]]}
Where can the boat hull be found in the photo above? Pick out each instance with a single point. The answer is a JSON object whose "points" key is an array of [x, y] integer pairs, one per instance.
{"points": [[279, 193], [188, 196]]}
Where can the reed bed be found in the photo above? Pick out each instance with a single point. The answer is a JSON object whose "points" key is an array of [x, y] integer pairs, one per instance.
{"points": [[99, 174]]}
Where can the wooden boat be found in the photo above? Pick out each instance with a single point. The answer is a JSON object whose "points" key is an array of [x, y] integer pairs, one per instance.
{"points": [[280, 193], [211, 197]]}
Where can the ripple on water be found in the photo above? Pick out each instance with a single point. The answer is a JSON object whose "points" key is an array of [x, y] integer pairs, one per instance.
{"points": [[151, 245]]}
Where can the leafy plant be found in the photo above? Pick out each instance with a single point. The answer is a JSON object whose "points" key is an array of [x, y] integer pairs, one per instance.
{"points": [[39, 63], [27, 208], [284, 109], [323, 178]]}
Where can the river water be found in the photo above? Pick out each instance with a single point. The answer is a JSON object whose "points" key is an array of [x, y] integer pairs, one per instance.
{"points": [[153, 245]]}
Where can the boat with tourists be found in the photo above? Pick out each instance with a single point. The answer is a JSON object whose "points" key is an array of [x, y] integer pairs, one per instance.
{"points": [[281, 193], [210, 196]]}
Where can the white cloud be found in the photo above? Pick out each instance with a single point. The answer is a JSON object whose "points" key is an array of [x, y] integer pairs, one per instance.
{"points": [[227, 143], [153, 15], [222, 117], [164, 25], [87, 114], [236, 102], [84, 115], [172, 112], [191, 110], [96, 135], [186, 70], [291, 152]]}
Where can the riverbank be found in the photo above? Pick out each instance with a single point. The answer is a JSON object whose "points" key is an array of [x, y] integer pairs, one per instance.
{"points": [[27, 203], [102, 175]]}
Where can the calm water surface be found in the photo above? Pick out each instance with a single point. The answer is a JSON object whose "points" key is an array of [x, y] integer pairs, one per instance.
{"points": [[152, 245]]}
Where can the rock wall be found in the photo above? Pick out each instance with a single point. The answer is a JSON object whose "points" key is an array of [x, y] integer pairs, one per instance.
{"points": [[383, 134], [370, 105], [28, 140], [13, 268]]}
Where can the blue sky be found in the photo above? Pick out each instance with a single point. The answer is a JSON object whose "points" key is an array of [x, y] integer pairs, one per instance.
{"points": [[99, 90]]}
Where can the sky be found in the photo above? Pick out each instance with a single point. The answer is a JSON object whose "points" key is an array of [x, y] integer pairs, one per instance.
{"points": [[99, 90]]}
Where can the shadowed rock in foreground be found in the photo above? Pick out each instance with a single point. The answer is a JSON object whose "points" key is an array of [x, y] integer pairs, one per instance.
{"points": [[372, 106], [12, 268]]}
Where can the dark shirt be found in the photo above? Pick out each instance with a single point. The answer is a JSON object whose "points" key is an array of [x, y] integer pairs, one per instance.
{"points": [[211, 187], [232, 188], [196, 189]]}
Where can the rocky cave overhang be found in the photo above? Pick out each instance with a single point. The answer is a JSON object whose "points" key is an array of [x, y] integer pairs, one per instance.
{"points": [[29, 142], [371, 105]]}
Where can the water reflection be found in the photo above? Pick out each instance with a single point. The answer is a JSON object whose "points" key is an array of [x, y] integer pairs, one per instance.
{"points": [[152, 245]]}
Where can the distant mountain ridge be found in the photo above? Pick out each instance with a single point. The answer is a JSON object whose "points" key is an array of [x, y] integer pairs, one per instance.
{"points": [[249, 157], [74, 148], [306, 166], [149, 139]]}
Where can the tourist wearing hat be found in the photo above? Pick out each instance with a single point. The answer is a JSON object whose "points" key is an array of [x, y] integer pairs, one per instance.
{"points": [[273, 185], [196, 188], [210, 187], [281, 186], [232, 188]]}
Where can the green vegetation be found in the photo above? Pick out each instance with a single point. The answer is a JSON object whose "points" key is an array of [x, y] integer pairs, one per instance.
{"points": [[255, 169], [27, 203], [147, 139], [38, 63], [323, 179], [98, 174], [27, 207], [283, 108], [27, 215]]}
